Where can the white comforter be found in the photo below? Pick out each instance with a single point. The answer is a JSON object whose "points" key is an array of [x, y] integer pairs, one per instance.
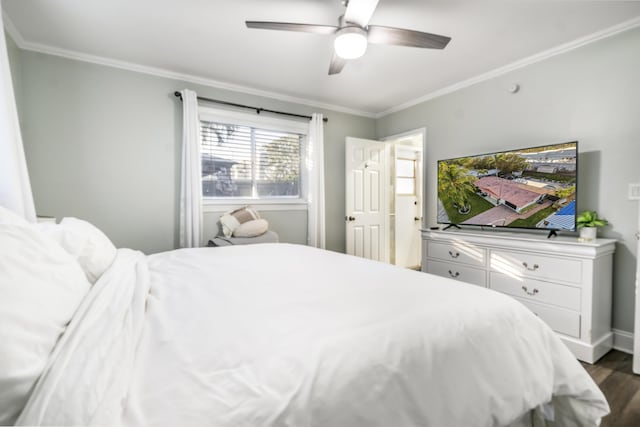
{"points": [[285, 335]]}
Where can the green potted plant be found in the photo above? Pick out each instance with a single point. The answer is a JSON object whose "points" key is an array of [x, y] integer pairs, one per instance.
{"points": [[588, 223]]}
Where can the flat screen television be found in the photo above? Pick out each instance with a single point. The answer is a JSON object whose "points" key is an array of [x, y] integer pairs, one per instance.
{"points": [[531, 188]]}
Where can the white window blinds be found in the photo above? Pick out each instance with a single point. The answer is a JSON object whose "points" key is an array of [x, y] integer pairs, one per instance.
{"points": [[247, 162]]}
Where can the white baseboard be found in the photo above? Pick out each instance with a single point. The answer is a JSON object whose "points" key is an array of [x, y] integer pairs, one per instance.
{"points": [[623, 341], [589, 352]]}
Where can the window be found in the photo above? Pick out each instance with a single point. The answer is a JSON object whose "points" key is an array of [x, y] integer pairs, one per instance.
{"points": [[243, 161], [405, 177]]}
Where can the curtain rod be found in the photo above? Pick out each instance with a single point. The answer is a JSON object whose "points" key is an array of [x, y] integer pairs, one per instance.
{"points": [[258, 110]]}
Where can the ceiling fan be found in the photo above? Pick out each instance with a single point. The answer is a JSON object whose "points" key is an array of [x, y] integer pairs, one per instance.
{"points": [[352, 34]]}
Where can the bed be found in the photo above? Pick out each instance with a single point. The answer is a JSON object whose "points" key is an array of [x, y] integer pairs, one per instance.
{"points": [[266, 335]]}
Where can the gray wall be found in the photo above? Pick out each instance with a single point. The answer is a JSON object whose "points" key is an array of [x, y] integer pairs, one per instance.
{"points": [[590, 94], [103, 144]]}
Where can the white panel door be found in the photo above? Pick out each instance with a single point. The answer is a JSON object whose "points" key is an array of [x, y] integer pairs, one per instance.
{"points": [[408, 239], [366, 189]]}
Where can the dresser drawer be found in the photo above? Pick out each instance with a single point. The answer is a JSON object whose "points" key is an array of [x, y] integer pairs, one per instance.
{"points": [[461, 252], [560, 320], [536, 290], [537, 266], [456, 271]]}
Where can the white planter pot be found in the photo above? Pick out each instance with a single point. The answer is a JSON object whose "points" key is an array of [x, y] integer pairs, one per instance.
{"points": [[588, 234]]}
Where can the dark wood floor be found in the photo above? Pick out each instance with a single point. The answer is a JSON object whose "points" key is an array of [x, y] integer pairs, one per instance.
{"points": [[621, 387]]}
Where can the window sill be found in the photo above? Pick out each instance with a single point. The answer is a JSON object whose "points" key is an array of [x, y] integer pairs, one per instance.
{"points": [[217, 205]]}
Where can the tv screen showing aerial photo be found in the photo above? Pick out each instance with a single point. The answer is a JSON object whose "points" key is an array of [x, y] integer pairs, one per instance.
{"points": [[527, 188]]}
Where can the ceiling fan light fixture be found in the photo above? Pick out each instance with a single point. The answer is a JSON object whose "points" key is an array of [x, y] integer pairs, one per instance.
{"points": [[350, 42], [353, 33]]}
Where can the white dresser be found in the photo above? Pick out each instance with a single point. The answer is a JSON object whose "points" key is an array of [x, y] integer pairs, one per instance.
{"points": [[565, 282]]}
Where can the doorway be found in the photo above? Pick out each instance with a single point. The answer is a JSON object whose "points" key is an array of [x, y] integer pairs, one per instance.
{"points": [[384, 198], [406, 199]]}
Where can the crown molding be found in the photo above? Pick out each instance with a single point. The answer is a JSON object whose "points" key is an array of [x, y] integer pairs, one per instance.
{"points": [[160, 72], [563, 48], [11, 29]]}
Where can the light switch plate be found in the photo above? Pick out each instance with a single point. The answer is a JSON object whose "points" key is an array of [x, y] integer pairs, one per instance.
{"points": [[634, 191]]}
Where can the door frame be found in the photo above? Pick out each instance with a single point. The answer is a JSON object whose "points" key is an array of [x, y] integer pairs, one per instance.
{"points": [[636, 332], [422, 131]]}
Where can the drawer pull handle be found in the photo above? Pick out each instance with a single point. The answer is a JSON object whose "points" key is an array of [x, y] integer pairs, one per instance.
{"points": [[457, 273], [456, 255], [535, 291], [534, 268]]}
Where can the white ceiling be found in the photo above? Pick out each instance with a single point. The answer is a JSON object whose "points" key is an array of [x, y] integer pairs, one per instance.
{"points": [[207, 39]]}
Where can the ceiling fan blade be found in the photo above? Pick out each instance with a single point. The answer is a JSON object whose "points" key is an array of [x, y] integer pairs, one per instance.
{"points": [[289, 26], [360, 11], [337, 64], [402, 37]]}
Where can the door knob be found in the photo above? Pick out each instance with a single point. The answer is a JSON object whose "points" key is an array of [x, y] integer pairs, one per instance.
{"points": [[350, 218]]}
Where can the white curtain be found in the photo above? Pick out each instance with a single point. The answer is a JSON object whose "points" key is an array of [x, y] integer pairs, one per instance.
{"points": [[15, 188], [191, 184], [315, 163]]}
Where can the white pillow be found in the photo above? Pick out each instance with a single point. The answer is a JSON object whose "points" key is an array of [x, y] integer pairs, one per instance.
{"points": [[41, 286], [7, 216], [91, 248], [251, 228]]}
